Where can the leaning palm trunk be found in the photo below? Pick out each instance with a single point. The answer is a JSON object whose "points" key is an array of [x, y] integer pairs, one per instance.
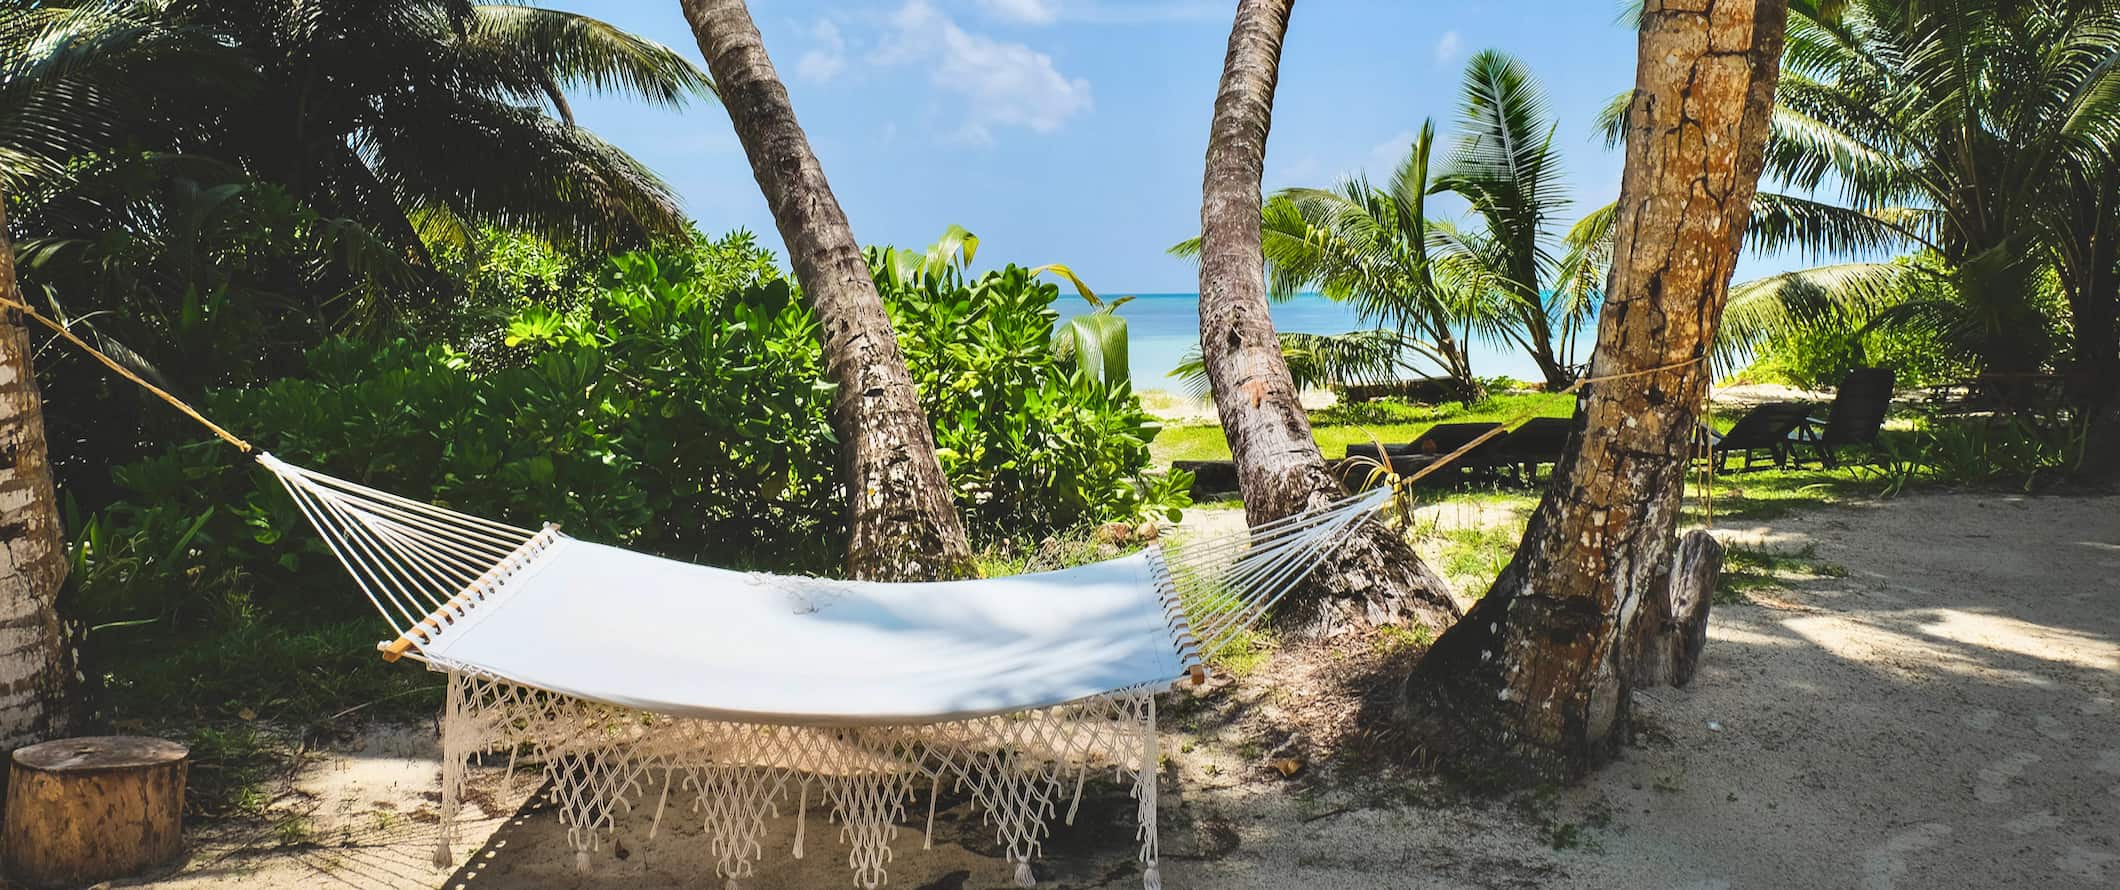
{"points": [[32, 651], [1374, 578], [1531, 686], [903, 525]]}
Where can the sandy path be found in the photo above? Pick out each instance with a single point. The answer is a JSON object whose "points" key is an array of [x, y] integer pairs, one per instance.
{"points": [[1943, 716]]}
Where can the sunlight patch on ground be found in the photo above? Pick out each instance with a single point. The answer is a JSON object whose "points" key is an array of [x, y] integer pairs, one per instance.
{"points": [[1880, 647], [2025, 638]]}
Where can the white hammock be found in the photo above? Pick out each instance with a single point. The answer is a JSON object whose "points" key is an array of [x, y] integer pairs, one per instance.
{"points": [[629, 675]]}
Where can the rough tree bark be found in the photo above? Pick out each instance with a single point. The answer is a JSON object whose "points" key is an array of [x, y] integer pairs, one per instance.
{"points": [[2090, 276], [1671, 628], [903, 525], [1375, 578], [33, 661], [1531, 686]]}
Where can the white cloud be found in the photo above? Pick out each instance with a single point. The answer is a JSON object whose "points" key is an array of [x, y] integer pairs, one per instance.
{"points": [[1101, 12], [1001, 84], [1029, 12], [1447, 48], [824, 61]]}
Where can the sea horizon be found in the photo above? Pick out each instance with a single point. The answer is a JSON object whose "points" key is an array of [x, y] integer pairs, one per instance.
{"points": [[1163, 327]]}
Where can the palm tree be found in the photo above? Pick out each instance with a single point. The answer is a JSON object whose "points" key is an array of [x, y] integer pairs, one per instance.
{"points": [[1512, 278], [32, 648], [901, 522], [1978, 133], [1369, 246], [1374, 577], [1506, 167], [419, 119], [1533, 685]]}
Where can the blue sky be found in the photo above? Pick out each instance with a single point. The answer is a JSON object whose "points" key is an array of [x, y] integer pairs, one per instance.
{"points": [[1073, 130]]}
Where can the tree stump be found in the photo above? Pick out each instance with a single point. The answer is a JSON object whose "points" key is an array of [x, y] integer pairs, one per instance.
{"points": [[1673, 624], [85, 810]]}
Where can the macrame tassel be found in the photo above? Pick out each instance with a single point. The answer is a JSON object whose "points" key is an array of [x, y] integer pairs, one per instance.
{"points": [[657, 824], [1080, 774], [443, 858], [802, 818], [581, 861], [1151, 878], [1024, 878], [508, 778], [934, 791], [729, 885]]}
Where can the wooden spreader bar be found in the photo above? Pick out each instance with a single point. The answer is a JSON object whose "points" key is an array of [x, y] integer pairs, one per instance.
{"points": [[472, 594]]}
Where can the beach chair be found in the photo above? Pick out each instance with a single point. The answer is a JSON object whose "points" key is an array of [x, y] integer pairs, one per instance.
{"points": [[1767, 427], [1357, 469], [1856, 416], [1410, 457], [1539, 440], [1444, 438]]}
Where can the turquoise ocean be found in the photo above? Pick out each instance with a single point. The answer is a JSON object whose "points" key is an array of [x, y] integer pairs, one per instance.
{"points": [[1162, 328]]}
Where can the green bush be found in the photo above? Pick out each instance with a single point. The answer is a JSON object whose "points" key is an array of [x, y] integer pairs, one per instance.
{"points": [[1030, 441], [1999, 449], [1817, 358], [679, 408]]}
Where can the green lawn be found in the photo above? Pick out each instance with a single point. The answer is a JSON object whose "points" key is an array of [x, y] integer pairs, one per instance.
{"points": [[1343, 425]]}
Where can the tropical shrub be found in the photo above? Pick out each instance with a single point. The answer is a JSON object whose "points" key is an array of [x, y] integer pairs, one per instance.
{"points": [[1030, 439], [678, 407], [1816, 358]]}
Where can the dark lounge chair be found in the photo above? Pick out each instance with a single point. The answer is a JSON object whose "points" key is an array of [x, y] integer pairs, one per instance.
{"points": [[1358, 468], [1444, 438], [1539, 440], [1855, 418], [1767, 427], [1438, 441]]}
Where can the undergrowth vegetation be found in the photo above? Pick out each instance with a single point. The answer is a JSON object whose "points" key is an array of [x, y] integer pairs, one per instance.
{"points": [[668, 400], [1388, 420]]}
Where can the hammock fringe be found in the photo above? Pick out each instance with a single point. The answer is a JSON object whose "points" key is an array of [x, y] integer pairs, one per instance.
{"points": [[435, 575], [601, 761]]}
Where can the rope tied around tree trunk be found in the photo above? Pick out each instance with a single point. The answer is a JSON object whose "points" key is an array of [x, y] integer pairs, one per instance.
{"points": [[128, 374]]}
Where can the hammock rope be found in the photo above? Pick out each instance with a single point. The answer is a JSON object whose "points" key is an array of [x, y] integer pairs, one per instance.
{"points": [[1084, 654]]}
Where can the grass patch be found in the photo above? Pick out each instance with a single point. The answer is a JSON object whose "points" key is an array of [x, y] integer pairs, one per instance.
{"points": [[1473, 557], [1768, 494], [259, 674], [1392, 639], [1747, 569], [1390, 421], [232, 767], [249, 699], [1061, 551], [1246, 652]]}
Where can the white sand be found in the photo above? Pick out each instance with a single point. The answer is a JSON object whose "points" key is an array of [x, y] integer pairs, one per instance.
{"points": [[1944, 716]]}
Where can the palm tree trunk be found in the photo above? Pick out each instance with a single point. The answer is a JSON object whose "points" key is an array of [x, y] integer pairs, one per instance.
{"points": [[1375, 578], [2090, 276], [33, 663], [1530, 686], [2094, 377], [1540, 340], [903, 524]]}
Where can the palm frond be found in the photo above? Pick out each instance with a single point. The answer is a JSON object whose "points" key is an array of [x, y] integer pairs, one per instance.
{"points": [[1781, 222], [1842, 296], [535, 49], [516, 169]]}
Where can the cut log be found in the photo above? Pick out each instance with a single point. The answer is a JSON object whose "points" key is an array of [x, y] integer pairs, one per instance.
{"points": [[1673, 625], [85, 810]]}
